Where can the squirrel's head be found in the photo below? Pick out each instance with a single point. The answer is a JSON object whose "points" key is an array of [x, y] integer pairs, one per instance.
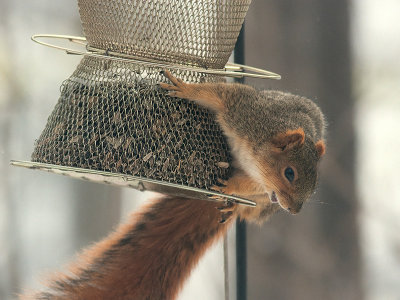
{"points": [[288, 168]]}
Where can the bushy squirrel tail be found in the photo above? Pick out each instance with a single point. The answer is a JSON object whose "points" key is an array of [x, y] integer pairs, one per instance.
{"points": [[149, 257]]}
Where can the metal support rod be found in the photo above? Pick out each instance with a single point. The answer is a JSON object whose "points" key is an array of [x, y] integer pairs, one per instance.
{"points": [[241, 246], [226, 267], [230, 70]]}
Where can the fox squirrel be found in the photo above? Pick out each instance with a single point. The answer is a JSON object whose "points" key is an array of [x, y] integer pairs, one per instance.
{"points": [[276, 139]]}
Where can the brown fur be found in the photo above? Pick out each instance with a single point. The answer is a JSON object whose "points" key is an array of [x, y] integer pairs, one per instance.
{"points": [[148, 258], [269, 132], [152, 255], [291, 138], [259, 214], [320, 146]]}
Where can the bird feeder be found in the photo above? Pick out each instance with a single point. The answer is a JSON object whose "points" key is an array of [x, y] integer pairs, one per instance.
{"points": [[113, 123]]}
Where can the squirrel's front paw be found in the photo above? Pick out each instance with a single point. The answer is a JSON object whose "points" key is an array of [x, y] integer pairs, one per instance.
{"points": [[224, 187], [228, 207], [227, 210], [177, 89]]}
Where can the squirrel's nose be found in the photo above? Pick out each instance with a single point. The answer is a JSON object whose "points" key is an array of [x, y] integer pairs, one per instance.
{"points": [[295, 208]]}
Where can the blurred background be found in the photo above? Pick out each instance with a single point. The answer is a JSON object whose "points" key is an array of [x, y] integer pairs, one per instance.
{"points": [[345, 244]]}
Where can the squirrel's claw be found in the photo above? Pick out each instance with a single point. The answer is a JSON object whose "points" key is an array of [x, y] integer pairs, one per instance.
{"points": [[222, 181], [174, 80], [227, 211], [216, 197], [220, 188], [228, 207], [217, 188], [177, 89], [173, 90], [168, 87], [177, 82]]}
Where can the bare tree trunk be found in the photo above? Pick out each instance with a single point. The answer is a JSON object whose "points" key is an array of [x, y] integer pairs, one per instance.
{"points": [[314, 255]]}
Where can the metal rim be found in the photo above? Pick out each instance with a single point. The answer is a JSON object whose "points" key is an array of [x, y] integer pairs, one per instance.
{"points": [[230, 69], [127, 178]]}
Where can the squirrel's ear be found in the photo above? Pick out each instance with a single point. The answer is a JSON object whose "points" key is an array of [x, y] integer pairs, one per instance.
{"points": [[289, 139], [320, 146]]}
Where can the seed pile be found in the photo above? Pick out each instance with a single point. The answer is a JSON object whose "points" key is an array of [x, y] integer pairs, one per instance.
{"points": [[114, 117]]}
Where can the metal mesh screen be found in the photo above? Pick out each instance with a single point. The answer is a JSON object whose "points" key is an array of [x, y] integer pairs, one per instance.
{"points": [[112, 116], [188, 32]]}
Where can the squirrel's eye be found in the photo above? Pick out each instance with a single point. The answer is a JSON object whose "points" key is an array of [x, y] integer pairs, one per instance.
{"points": [[289, 174]]}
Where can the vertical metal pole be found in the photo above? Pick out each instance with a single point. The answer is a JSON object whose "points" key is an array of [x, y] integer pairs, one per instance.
{"points": [[226, 267], [241, 246]]}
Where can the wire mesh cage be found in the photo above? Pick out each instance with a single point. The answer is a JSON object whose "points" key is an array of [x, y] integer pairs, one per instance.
{"points": [[113, 123], [186, 32], [112, 116]]}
